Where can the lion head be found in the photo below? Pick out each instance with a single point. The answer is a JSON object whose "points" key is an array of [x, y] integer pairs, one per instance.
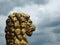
{"points": [[25, 23], [22, 21]]}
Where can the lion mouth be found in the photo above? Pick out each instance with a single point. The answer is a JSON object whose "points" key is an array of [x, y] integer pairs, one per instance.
{"points": [[29, 34]]}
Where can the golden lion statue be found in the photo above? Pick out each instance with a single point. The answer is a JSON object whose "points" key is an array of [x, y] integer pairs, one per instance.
{"points": [[18, 25]]}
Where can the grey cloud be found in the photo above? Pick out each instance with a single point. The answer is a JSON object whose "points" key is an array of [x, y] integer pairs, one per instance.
{"points": [[49, 20], [50, 43], [57, 30], [47, 23], [40, 1], [2, 38], [40, 39], [8, 5], [5, 7], [58, 37]]}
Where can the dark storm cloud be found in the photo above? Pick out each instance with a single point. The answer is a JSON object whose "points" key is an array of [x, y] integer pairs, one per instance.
{"points": [[39, 39], [2, 40], [6, 6], [57, 30], [39, 1], [47, 23]]}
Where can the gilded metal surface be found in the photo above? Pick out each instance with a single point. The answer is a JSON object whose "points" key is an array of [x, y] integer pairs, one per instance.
{"points": [[18, 25]]}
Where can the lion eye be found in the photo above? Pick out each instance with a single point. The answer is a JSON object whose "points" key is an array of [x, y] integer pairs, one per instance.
{"points": [[29, 21]]}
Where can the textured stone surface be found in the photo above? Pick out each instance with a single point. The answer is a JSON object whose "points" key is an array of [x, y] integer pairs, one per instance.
{"points": [[18, 25]]}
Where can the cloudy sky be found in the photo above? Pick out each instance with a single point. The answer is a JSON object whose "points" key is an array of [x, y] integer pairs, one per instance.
{"points": [[45, 14]]}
